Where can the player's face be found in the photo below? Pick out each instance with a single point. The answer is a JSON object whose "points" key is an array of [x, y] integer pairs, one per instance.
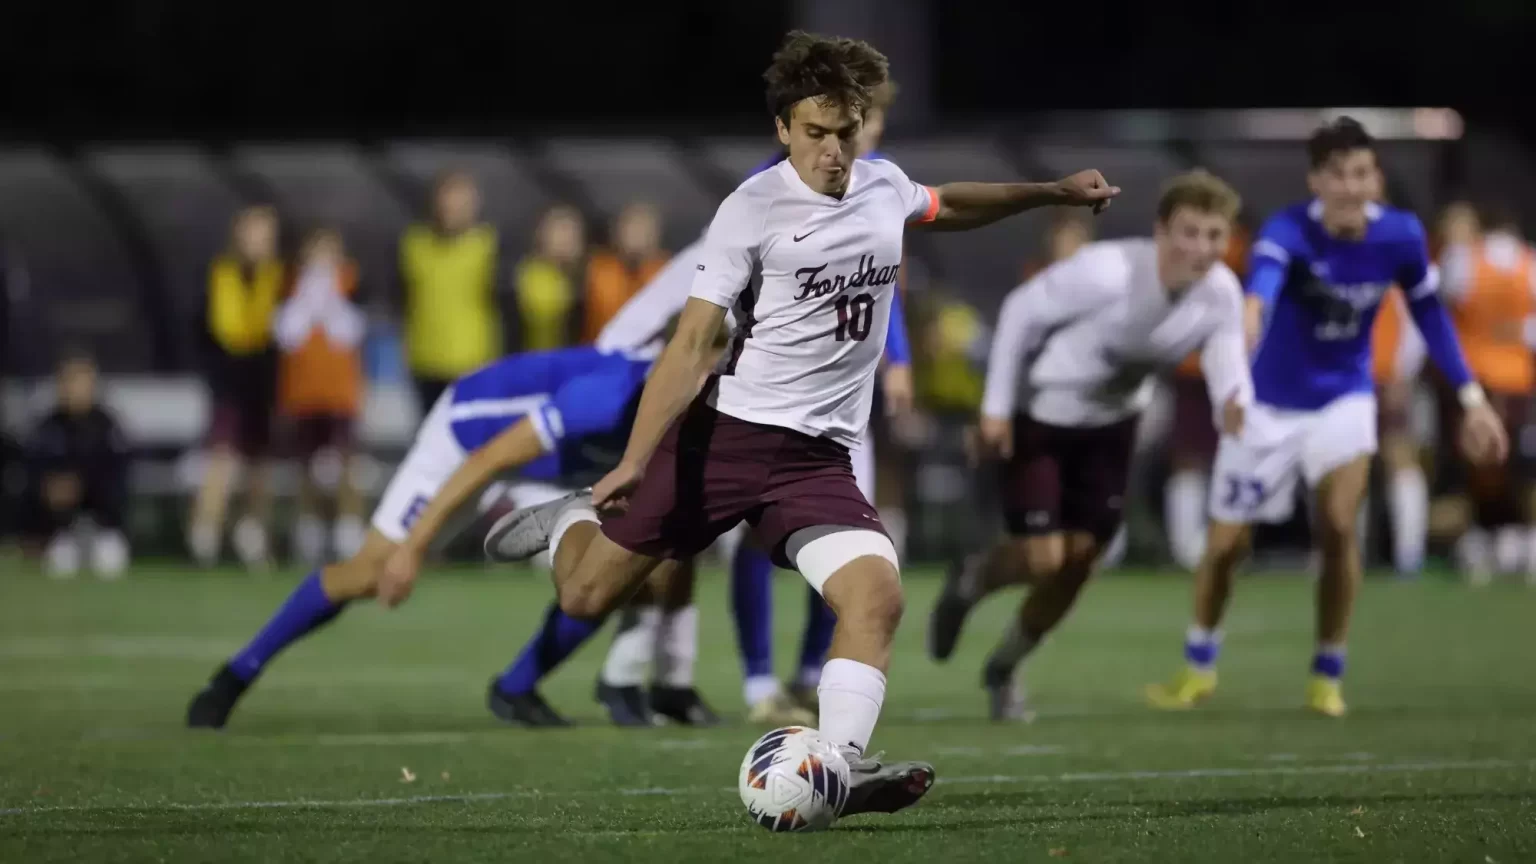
{"points": [[822, 140], [256, 236], [1458, 225], [1347, 182], [77, 385], [1189, 244], [458, 203]]}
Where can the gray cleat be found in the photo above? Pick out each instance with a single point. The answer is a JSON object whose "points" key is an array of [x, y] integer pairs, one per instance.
{"points": [[522, 534], [876, 787], [1006, 702]]}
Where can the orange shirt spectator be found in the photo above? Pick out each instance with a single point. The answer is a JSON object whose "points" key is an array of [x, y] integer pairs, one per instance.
{"points": [[320, 331], [615, 276]]}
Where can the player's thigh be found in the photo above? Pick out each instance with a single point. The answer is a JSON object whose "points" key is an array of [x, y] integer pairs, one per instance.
{"points": [[1337, 435], [1032, 481], [605, 577], [1338, 495], [1253, 478], [432, 459], [705, 477]]}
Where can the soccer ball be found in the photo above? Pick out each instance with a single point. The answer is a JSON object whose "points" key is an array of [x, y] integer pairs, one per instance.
{"points": [[793, 780]]}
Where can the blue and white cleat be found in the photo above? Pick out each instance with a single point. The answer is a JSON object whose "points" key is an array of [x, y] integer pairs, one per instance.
{"points": [[522, 534]]}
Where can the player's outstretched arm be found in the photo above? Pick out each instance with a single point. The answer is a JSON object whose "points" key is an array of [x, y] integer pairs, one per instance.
{"points": [[963, 206]]}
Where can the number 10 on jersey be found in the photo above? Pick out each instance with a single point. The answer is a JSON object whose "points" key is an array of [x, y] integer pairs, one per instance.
{"points": [[855, 316]]}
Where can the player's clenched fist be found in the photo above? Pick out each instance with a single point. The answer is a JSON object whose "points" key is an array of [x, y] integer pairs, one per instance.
{"points": [[1087, 189]]}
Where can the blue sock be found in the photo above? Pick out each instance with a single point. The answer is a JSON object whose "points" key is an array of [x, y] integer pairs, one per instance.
{"points": [[558, 639], [752, 604], [1329, 661], [819, 623], [1201, 647], [306, 609]]}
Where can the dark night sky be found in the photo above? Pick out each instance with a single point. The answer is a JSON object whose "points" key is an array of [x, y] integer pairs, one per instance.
{"points": [[156, 68]]}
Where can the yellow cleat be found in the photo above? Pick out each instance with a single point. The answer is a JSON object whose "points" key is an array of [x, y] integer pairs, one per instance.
{"points": [[780, 710], [1325, 696], [1187, 689]]}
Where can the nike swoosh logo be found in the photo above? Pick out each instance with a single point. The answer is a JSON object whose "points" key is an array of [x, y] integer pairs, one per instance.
{"points": [[806, 234]]}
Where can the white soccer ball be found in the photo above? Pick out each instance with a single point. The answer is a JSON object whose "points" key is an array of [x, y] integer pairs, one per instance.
{"points": [[793, 780]]}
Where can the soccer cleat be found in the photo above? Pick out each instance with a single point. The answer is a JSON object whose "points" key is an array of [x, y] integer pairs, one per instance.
{"points": [[521, 534], [211, 707], [1005, 697], [955, 602], [1326, 696], [1187, 689], [522, 709], [627, 706], [683, 705], [779, 710], [877, 787]]}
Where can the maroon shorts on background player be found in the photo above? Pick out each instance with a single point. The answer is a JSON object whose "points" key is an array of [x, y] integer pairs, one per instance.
{"points": [[1067, 479], [712, 470], [1194, 435]]}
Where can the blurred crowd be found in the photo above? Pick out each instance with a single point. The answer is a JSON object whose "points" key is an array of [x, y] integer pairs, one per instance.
{"points": [[285, 325]]}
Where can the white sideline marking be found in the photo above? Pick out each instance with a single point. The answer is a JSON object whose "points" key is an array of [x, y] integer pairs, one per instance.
{"points": [[389, 739], [1070, 777]]}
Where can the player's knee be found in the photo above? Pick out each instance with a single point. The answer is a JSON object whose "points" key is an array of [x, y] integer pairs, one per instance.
{"points": [[352, 579], [1044, 555], [1226, 546], [1337, 533], [855, 569], [586, 599]]}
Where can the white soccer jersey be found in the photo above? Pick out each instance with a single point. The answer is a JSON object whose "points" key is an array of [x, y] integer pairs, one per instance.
{"points": [[1094, 327], [639, 324], [810, 279]]}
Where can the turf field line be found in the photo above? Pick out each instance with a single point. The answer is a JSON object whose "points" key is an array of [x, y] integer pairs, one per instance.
{"points": [[989, 779]]}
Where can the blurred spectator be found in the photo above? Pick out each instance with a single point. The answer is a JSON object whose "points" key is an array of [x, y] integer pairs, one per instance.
{"points": [[78, 465], [452, 322], [244, 285], [546, 281], [614, 275], [951, 359], [320, 389]]}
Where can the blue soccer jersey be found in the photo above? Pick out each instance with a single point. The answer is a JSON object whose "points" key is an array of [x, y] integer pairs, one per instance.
{"points": [[1321, 294], [581, 403]]}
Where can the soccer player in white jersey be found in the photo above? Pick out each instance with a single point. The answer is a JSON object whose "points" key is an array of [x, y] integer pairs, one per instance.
{"points": [[807, 254], [1073, 359]]}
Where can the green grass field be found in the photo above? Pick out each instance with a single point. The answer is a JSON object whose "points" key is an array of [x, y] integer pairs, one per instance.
{"points": [[371, 742]]}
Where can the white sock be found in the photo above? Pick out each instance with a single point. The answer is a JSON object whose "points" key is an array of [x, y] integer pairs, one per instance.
{"points": [[309, 539], [851, 694], [1184, 513], [250, 542], [1014, 647], [109, 554], [634, 648], [1509, 549], [760, 688], [1474, 555], [63, 556], [204, 540], [1408, 494], [348, 535], [1530, 551], [572, 515], [677, 647]]}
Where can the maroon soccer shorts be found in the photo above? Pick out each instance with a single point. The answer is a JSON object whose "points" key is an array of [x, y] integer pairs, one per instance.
{"points": [[1067, 479], [712, 470]]}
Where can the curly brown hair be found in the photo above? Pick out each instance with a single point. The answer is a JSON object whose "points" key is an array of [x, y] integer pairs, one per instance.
{"points": [[831, 70]]}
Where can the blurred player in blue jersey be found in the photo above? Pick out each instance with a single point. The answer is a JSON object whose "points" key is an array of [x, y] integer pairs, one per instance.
{"points": [[560, 417], [1317, 277]]}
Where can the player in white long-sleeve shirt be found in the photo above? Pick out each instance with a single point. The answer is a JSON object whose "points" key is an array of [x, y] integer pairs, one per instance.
{"points": [[1071, 370]]}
